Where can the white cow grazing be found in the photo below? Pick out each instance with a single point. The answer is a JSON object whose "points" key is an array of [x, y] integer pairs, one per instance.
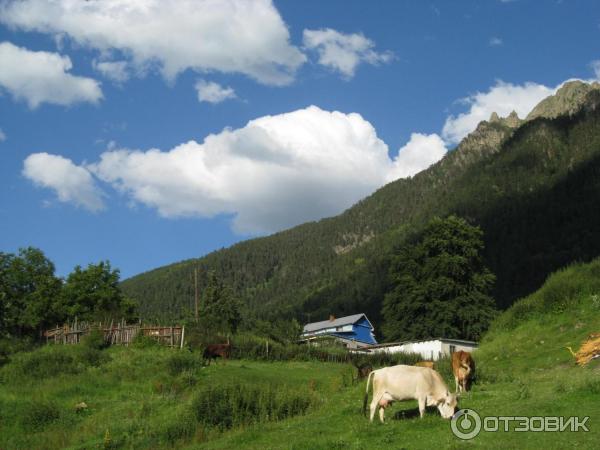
{"points": [[399, 383]]}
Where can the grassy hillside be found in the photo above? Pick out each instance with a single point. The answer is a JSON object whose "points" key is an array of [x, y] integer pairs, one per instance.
{"points": [[523, 370], [534, 190], [159, 398], [148, 398], [535, 331]]}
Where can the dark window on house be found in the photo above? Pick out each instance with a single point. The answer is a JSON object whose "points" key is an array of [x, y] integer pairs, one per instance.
{"points": [[452, 349]]}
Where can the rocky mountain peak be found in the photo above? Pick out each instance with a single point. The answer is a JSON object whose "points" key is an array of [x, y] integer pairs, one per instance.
{"points": [[511, 121], [567, 101]]}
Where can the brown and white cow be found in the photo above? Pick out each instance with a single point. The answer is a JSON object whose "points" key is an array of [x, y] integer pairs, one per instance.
{"points": [[463, 368], [399, 383]]}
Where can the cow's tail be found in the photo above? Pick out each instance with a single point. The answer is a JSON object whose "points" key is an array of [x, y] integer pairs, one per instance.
{"points": [[467, 368], [366, 399]]}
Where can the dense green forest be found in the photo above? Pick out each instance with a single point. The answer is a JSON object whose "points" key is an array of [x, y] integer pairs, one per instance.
{"points": [[533, 188]]}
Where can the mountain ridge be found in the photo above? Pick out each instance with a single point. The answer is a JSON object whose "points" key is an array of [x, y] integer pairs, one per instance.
{"points": [[298, 271]]}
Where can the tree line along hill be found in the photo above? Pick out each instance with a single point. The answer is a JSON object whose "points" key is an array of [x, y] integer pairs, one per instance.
{"points": [[532, 186]]}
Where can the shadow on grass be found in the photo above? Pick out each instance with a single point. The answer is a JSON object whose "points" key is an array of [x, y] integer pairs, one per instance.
{"points": [[413, 413]]}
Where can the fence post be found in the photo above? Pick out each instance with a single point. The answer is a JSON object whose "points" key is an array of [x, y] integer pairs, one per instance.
{"points": [[123, 334]]}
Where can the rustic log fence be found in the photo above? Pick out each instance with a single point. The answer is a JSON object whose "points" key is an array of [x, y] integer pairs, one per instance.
{"points": [[119, 333]]}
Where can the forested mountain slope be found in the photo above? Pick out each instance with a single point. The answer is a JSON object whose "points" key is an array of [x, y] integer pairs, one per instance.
{"points": [[533, 186]]}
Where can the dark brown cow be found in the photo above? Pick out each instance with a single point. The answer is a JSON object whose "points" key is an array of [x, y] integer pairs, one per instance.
{"points": [[364, 370], [214, 351], [463, 368]]}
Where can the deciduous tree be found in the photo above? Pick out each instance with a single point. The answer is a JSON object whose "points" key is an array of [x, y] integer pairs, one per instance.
{"points": [[29, 291], [94, 293]]}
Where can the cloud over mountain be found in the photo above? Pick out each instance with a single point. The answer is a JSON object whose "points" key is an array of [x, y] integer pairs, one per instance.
{"points": [[502, 98], [273, 173], [417, 154], [277, 171]]}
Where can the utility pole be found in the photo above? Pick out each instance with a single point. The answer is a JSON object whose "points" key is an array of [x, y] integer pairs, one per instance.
{"points": [[196, 293]]}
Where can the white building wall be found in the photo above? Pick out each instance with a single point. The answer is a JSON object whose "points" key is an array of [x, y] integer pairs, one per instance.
{"points": [[429, 350], [456, 347]]}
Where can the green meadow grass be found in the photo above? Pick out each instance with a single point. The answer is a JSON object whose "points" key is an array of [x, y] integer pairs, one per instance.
{"points": [[145, 398], [155, 398]]}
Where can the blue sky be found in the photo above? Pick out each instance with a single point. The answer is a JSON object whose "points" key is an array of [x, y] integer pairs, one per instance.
{"points": [[151, 132]]}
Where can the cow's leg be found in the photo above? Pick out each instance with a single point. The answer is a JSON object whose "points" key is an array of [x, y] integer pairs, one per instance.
{"points": [[422, 401], [374, 405], [372, 409], [382, 414], [456, 381]]}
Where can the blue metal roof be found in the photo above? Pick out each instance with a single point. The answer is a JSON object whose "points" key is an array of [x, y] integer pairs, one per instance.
{"points": [[347, 320], [361, 331]]}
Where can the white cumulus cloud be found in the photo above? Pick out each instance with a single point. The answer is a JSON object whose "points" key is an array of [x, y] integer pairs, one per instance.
{"points": [[343, 52], [502, 98], [116, 71], [72, 183], [275, 172], [420, 152], [211, 92], [42, 77], [242, 36], [595, 65]]}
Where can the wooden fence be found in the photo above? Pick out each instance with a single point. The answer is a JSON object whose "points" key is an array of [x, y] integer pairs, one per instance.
{"points": [[120, 333]]}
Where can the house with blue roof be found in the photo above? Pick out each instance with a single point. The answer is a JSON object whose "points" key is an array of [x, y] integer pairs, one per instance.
{"points": [[354, 331]]}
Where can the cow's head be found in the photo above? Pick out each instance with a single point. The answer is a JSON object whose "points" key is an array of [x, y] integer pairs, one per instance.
{"points": [[447, 404]]}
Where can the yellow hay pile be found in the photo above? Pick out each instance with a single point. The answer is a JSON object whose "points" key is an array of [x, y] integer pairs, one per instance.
{"points": [[589, 350], [425, 364]]}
